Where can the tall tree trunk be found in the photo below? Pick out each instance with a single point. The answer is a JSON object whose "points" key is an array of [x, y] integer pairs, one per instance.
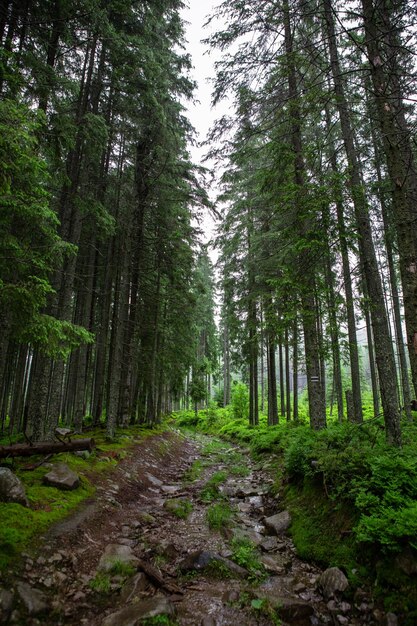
{"points": [[383, 47], [307, 280], [383, 348]]}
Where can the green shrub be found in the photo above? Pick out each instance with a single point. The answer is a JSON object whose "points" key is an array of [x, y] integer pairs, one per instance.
{"points": [[219, 516]]}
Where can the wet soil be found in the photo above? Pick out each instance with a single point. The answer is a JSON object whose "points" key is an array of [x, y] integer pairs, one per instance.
{"points": [[130, 509]]}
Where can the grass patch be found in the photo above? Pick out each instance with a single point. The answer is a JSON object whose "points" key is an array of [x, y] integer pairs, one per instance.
{"points": [[219, 516], [101, 583], [246, 555], [159, 620], [180, 507], [211, 490], [120, 568], [194, 472]]}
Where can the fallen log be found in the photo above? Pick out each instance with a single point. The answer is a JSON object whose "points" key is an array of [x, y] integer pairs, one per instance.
{"points": [[46, 447]]}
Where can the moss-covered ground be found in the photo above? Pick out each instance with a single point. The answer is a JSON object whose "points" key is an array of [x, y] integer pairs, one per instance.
{"points": [[21, 527]]}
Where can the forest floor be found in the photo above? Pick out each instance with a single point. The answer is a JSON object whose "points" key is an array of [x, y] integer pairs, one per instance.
{"points": [[175, 535]]}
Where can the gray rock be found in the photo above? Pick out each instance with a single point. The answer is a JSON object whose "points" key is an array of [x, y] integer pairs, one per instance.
{"points": [[155, 481], [269, 544], [82, 454], [208, 621], [248, 533], [231, 595], [134, 614], [246, 490], [201, 559], [62, 477], [276, 563], [277, 524], [11, 488], [390, 619], [332, 581], [116, 553], [6, 604], [289, 608], [33, 599]]}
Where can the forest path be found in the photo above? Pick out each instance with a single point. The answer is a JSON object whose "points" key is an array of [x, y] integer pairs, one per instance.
{"points": [[157, 506]]}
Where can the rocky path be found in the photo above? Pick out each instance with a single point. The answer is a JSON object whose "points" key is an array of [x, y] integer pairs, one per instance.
{"points": [[185, 531]]}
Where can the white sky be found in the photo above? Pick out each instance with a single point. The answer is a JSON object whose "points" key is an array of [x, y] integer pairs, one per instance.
{"points": [[201, 114]]}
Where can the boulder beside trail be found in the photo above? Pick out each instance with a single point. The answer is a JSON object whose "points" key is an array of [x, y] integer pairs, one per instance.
{"points": [[279, 523], [332, 581], [201, 559], [11, 488], [62, 477], [6, 605], [33, 599], [134, 614]]}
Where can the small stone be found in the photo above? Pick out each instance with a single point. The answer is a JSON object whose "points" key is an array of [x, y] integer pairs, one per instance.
{"points": [[41, 560], [79, 596], [332, 581], [115, 553], [279, 523], [11, 488], [208, 621], [390, 619], [147, 518], [62, 477], [232, 595], [268, 544], [342, 619], [155, 481], [33, 599], [82, 454], [6, 604], [299, 587], [275, 563]]}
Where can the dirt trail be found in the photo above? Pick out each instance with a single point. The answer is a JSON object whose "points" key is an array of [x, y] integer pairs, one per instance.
{"points": [[133, 509]]}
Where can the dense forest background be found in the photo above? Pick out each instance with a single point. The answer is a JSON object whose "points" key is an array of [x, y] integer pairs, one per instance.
{"points": [[107, 296]]}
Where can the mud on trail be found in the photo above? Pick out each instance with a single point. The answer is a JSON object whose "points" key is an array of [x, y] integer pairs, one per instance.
{"points": [[186, 530]]}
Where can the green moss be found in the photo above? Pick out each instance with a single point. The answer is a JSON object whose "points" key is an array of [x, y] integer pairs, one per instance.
{"points": [[20, 526], [321, 529]]}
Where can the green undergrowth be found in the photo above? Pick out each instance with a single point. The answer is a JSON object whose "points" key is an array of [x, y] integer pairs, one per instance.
{"points": [[180, 507], [219, 516], [211, 489], [246, 555], [353, 498], [21, 527]]}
